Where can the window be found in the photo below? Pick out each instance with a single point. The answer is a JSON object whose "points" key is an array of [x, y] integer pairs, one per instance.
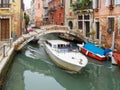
{"points": [[4, 3], [38, 5], [111, 21], [80, 25], [80, 22], [80, 17], [109, 3], [71, 1], [62, 2], [96, 4], [86, 17], [117, 2]]}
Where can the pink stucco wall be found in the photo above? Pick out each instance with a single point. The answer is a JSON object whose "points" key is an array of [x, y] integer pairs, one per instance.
{"points": [[102, 16], [39, 11]]}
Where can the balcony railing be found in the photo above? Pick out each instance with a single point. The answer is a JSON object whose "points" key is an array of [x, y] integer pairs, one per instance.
{"points": [[78, 5], [45, 5], [4, 5]]}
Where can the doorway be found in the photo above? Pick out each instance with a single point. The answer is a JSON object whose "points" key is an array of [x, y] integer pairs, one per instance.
{"points": [[4, 29], [97, 30], [70, 24]]}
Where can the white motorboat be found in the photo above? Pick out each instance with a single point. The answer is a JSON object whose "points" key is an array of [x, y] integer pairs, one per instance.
{"points": [[64, 56]]}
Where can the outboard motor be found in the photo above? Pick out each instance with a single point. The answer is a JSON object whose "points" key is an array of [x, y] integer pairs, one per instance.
{"points": [[109, 56], [108, 53]]}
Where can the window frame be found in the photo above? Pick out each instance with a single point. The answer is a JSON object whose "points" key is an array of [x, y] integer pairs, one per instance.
{"points": [[118, 25], [114, 22], [4, 3]]}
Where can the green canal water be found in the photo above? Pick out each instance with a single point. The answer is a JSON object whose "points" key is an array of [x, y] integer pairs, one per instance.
{"points": [[33, 70]]}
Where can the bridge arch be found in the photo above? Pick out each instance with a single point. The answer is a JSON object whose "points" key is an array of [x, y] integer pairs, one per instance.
{"points": [[24, 39]]}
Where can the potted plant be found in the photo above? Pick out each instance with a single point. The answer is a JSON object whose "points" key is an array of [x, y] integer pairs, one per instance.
{"points": [[92, 33], [111, 6], [61, 5]]}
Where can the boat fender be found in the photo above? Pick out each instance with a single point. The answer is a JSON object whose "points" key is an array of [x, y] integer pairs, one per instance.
{"points": [[86, 52]]}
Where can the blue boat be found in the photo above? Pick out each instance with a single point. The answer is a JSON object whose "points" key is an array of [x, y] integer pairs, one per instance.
{"points": [[94, 51]]}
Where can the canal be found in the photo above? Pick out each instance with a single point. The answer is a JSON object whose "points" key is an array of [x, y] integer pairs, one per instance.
{"points": [[32, 69]]}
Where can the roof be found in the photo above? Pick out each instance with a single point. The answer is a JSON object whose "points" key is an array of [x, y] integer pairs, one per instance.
{"points": [[57, 42]]}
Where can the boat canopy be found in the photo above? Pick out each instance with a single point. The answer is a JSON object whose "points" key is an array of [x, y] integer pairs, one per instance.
{"points": [[96, 49]]}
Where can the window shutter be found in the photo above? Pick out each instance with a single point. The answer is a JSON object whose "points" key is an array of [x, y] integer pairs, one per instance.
{"points": [[94, 4], [117, 2], [99, 4], [119, 25], [107, 3]]}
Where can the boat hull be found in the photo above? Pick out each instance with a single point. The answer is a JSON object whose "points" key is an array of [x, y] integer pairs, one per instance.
{"points": [[90, 54], [63, 64], [116, 58]]}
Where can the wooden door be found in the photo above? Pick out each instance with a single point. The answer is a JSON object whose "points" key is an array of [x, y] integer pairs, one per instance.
{"points": [[5, 33], [97, 29]]}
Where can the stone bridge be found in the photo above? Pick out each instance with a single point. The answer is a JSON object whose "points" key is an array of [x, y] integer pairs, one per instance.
{"points": [[24, 39]]}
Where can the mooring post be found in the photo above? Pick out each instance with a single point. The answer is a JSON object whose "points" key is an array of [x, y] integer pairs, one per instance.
{"points": [[11, 41], [4, 50]]}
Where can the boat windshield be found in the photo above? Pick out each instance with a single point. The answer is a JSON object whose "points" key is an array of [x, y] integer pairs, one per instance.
{"points": [[67, 48]]}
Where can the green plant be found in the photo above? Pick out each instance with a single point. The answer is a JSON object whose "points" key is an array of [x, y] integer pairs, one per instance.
{"points": [[81, 4], [92, 32], [60, 4]]}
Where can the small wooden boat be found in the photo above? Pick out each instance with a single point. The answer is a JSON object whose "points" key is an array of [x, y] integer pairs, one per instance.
{"points": [[66, 37], [35, 40], [94, 51], [64, 56]]}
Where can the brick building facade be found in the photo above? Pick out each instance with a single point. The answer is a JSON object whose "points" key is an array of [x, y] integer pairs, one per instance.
{"points": [[56, 12], [11, 19]]}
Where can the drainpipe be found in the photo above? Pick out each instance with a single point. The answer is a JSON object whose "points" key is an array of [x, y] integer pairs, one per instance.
{"points": [[100, 37], [64, 11], [113, 40]]}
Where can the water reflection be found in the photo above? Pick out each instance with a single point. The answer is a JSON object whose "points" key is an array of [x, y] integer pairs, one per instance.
{"points": [[39, 73]]}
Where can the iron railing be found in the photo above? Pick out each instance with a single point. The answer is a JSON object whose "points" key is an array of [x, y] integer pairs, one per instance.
{"points": [[6, 5]]}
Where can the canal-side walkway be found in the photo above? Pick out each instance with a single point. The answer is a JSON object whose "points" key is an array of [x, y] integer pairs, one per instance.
{"points": [[6, 51]]}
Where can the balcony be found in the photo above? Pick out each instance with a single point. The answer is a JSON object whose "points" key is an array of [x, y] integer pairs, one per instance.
{"points": [[111, 6], [84, 5]]}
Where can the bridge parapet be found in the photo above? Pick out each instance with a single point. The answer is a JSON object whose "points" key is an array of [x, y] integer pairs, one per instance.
{"points": [[43, 31], [57, 27]]}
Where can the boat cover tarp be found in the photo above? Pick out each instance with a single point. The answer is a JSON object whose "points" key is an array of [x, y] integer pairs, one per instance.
{"points": [[95, 49]]}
